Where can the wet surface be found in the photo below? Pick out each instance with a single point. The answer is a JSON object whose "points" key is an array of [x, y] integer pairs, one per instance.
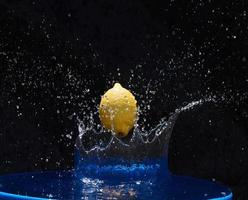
{"points": [[65, 185]]}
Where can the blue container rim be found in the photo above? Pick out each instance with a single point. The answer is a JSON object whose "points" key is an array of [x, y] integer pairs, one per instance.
{"points": [[16, 196], [7, 195]]}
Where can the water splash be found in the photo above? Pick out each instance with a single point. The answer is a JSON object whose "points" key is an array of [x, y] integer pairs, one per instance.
{"points": [[100, 153], [104, 140]]}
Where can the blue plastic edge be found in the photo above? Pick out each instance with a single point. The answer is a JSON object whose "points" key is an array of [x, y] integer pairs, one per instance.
{"points": [[15, 196], [228, 197], [6, 195]]}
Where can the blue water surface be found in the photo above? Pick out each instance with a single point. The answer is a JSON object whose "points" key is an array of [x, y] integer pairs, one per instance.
{"points": [[68, 185]]}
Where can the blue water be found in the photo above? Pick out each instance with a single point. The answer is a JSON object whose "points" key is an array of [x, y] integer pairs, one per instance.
{"points": [[111, 178], [66, 185], [119, 168]]}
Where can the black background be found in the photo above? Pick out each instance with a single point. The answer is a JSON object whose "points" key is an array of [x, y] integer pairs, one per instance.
{"points": [[57, 57]]}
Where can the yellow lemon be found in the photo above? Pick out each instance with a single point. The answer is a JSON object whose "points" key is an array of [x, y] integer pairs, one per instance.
{"points": [[118, 110]]}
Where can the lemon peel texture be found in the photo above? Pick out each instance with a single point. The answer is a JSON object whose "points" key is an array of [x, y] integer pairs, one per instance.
{"points": [[118, 110]]}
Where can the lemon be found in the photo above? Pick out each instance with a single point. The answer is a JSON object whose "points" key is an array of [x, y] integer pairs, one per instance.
{"points": [[118, 110]]}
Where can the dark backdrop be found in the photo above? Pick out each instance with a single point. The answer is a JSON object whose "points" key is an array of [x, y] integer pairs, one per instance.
{"points": [[57, 58]]}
